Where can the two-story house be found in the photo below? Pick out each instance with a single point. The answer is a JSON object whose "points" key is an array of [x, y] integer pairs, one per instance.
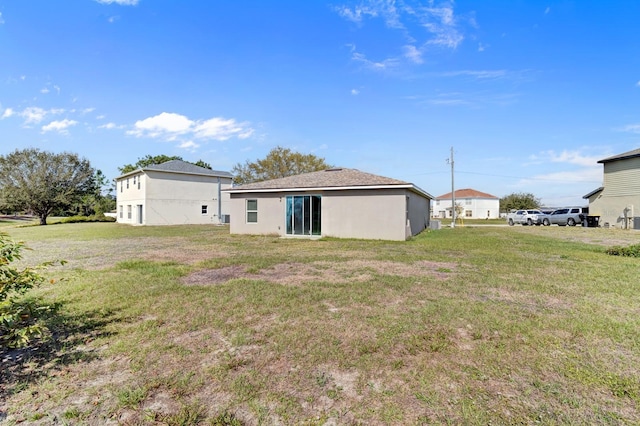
{"points": [[617, 201], [173, 193]]}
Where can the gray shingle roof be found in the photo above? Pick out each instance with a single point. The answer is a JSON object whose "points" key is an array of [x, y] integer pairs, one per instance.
{"points": [[179, 166], [624, 155], [330, 178]]}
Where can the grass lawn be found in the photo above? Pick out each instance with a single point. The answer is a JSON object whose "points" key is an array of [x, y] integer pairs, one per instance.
{"points": [[190, 325]]}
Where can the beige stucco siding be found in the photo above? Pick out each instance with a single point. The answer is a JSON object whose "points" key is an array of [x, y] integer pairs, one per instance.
{"points": [[270, 214], [171, 198], [370, 214], [419, 213], [379, 214]]}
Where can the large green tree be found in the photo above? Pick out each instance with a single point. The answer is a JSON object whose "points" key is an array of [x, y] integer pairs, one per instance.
{"points": [[43, 182], [280, 162], [149, 160], [519, 200]]}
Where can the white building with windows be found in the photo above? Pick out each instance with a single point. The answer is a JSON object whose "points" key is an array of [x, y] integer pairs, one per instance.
{"points": [[173, 193], [472, 203]]}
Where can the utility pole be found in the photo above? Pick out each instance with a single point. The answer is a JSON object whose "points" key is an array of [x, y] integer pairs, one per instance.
{"points": [[453, 195]]}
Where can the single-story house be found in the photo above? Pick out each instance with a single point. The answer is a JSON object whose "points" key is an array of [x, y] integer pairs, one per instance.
{"points": [[475, 204], [338, 202], [617, 201], [173, 193]]}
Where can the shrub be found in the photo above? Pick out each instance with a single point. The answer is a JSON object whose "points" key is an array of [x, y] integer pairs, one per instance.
{"points": [[19, 317], [630, 251], [92, 218]]}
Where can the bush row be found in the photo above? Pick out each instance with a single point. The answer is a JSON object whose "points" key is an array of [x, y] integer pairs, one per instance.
{"points": [[630, 251]]}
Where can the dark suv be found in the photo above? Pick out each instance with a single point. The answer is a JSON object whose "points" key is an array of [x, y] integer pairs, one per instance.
{"points": [[568, 216]]}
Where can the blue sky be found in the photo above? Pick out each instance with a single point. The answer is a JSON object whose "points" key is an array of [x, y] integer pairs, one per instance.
{"points": [[529, 94]]}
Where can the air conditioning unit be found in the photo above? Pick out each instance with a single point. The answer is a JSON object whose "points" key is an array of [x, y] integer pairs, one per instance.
{"points": [[225, 218]]}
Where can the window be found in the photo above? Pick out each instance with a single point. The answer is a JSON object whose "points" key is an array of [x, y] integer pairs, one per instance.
{"points": [[467, 201], [127, 183], [121, 186], [121, 211], [129, 211], [139, 179], [303, 215], [437, 202], [468, 213], [252, 211], [134, 181], [205, 209]]}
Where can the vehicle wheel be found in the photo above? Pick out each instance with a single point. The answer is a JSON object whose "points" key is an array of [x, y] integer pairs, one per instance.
{"points": [[571, 222], [546, 222], [529, 222], [510, 222]]}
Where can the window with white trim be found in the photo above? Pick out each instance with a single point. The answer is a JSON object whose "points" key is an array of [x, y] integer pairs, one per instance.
{"points": [[129, 211], [252, 211], [121, 211], [205, 209]]}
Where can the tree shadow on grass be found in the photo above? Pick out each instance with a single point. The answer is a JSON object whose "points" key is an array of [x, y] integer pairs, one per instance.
{"points": [[65, 345]]}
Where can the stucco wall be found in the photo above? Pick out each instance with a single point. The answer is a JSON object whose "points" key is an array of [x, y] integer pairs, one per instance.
{"points": [[270, 214], [369, 214], [612, 209], [172, 198]]}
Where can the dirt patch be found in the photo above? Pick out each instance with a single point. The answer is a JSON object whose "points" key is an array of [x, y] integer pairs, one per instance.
{"points": [[323, 271]]}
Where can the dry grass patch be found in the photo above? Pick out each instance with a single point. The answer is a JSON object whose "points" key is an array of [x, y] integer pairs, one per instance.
{"points": [[323, 271]]}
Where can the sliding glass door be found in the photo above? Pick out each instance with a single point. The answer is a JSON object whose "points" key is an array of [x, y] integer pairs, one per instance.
{"points": [[303, 214]]}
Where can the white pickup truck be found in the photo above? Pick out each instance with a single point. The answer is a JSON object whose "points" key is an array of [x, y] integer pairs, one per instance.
{"points": [[526, 217]]}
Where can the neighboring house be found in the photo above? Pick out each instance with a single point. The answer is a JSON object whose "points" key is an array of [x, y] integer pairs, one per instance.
{"points": [[173, 193], [617, 201], [344, 203], [474, 204]]}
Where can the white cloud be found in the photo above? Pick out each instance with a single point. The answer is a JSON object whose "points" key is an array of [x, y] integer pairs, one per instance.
{"points": [[547, 10], [59, 126], [165, 124], [109, 126], [44, 91], [638, 84], [413, 54], [120, 2], [220, 129], [7, 113], [1, 20], [437, 26], [356, 14], [631, 128], [568, 157], [189, 146], [172, 126], [33, 115], [355, 92], [384, 65]]}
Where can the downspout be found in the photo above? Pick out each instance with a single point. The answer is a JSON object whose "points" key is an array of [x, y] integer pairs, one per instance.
{"points": [[219, 202]]}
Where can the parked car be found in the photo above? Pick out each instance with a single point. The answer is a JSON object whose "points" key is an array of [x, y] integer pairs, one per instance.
{"points": [[570, 216], [526, 217]]}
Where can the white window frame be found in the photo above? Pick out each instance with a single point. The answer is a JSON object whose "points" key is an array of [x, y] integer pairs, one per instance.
{"points": [[204, 209], [251, 212]]}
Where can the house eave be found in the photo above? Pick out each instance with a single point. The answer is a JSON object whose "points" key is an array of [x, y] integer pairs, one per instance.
{"points": [[145, 171], [592, 193], [410, 187]]}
